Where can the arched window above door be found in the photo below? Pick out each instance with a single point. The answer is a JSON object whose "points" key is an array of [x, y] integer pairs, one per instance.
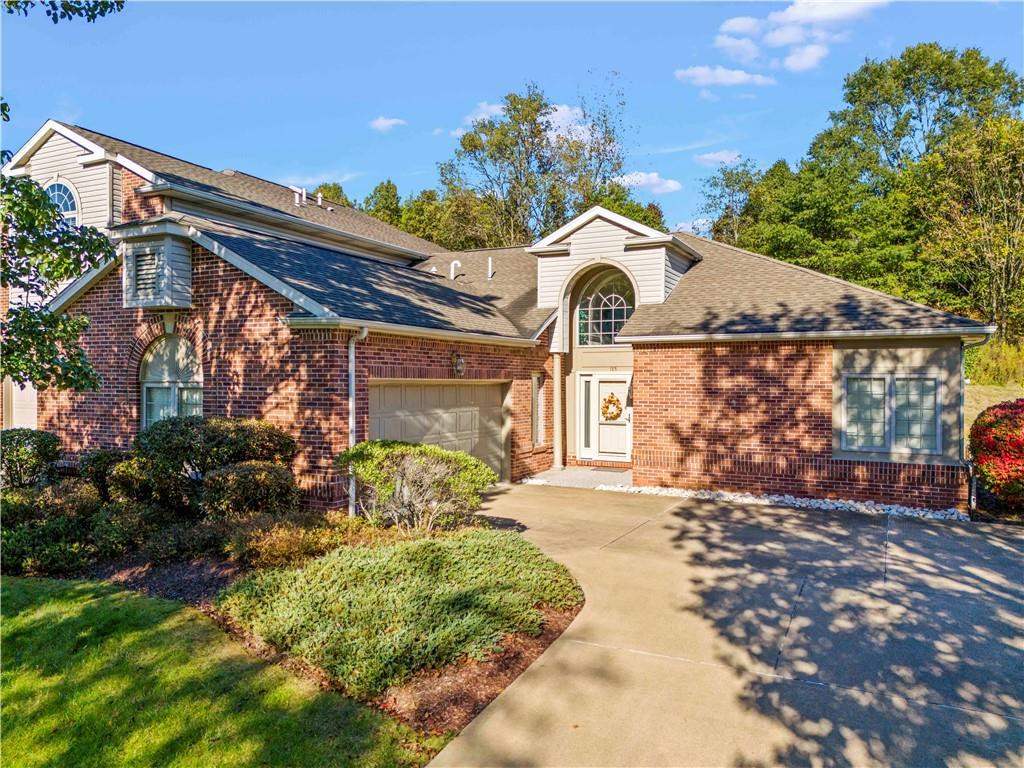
{"points": [[605, 305], [172, 380]]}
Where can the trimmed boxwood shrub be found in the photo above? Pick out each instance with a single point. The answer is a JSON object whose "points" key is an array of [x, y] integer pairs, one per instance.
{"points": [[167, 495], [414, 485], [95, 467], [997, 446], [249, 488], [174, 445], [232, 441], [27, 456]]}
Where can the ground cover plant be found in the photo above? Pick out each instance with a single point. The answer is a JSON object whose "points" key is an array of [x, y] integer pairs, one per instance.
{"points": [[371, 617], [93, 675]]}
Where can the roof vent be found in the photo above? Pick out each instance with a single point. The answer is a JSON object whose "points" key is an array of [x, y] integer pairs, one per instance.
{"points": [[300, 194], [228, 172], [451, 271], [320, 199]]}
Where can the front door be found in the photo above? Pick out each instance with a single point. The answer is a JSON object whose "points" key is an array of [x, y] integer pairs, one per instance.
{"points": [[606, 416]]}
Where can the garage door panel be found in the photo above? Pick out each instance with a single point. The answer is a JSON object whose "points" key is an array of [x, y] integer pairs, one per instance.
{"points": [[464, 417]]}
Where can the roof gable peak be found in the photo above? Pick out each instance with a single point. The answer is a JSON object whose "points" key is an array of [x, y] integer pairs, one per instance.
{"points": [[597, 212]]}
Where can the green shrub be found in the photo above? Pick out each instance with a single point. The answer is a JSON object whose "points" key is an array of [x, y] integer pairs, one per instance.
{"points": [[373, 616], [27, 456], [17, 506], [232, 441], [95, 467], [167, 496], [175, 444], [118, 528], [183, 540], [416, 486], [997, 363], [250, 488]]}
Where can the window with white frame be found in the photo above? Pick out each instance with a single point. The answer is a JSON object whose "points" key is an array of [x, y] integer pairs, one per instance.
{"points": [[537, 409], [172, 380], [606, 303], [891, 412], [62, 197]]}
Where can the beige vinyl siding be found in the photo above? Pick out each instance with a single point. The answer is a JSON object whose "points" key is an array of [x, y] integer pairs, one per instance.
{"points": [[675, 266], [58, 157], [179, 256], [939, 360], [602, 240]]}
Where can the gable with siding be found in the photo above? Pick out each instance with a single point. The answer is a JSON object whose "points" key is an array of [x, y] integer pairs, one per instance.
{"points": [[58, 159]]}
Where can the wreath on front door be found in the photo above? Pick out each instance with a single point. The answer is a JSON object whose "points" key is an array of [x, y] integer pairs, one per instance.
{"points": [[611, 408]]}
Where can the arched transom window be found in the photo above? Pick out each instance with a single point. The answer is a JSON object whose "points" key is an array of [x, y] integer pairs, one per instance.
{"points": [[172, 380], [605, 305], [64, 199]]}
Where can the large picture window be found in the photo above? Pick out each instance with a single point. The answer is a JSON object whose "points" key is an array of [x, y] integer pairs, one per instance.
{"points": [[605, 306], [891, 412], [172, 380]]}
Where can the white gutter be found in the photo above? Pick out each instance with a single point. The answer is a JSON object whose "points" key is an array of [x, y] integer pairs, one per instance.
{"points": [[405, 330], [981, 330], [359, 336], [174, 190]]}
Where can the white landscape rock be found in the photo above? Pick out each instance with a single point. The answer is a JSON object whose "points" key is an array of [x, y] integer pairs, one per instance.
{"points": [[844, 505]]}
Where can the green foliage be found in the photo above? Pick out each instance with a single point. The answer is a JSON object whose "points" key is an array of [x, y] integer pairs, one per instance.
{"points": [[55, 535], [332, 192], [416, 485], [616, 198], [117, 529], [141, 681], [373, 616], [18, 505], [63, 10], [95, 467], [175, 445], [997, 363], [242, 491], [890, 194], [27, 456], [384, 203], [997, 448], [230, 441], [166, 496]]}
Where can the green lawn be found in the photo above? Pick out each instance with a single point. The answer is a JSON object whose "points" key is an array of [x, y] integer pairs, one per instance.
{"points": [[96, 676], [373, 616], [978, 398]]}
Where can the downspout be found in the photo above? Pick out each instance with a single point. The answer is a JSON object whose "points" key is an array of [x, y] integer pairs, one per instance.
{"points": [[972, 493], [362, 334]]}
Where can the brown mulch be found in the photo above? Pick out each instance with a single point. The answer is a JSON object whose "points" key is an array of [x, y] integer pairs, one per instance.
{"points": [[433, 701], [447, 699], [195, 582]]}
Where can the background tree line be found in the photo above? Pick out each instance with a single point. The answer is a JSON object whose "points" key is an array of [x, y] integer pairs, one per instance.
{"points": [[915, 187]]}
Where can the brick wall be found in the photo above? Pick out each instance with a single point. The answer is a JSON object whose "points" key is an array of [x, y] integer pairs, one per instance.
{"points": [[758, 418], [399, 357], [253, 366], [134, 206]]}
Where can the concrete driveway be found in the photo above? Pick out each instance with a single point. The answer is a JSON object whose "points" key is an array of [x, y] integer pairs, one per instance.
{"points": [[728, 635]]}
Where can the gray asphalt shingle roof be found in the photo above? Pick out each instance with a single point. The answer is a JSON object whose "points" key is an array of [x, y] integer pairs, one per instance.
{"points": [[733, 291], [241, 187], [360, 288]]}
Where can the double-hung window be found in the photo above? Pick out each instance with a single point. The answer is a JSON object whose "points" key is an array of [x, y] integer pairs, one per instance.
{"points": [[891, 412]]}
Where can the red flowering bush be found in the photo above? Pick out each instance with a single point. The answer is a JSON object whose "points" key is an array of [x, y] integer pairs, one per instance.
{"points": [[997, 445]]}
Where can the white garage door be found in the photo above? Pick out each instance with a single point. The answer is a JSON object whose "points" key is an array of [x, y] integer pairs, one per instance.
{"points": [[464, 417]]}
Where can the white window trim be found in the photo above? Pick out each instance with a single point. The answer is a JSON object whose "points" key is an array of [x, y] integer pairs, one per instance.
{"points": [[890, 414], [74, 196], [175, 386]]}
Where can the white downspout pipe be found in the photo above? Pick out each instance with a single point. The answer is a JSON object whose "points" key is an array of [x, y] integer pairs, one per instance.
{"points": [[363, 332]]}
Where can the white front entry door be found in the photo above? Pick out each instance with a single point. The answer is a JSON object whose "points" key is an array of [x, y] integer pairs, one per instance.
{"points": [[606, 417]]}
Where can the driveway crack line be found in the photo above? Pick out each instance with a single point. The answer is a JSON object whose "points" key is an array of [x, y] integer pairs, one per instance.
{"points": [[624, 535], [792, 615], [885, 550]]}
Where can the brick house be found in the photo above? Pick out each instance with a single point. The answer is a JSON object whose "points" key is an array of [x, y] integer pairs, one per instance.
{"points": [[606, 343]]}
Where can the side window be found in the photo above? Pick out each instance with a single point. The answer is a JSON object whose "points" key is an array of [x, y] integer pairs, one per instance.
{"points": [[172, 380], [64, 198], [891, 412]]}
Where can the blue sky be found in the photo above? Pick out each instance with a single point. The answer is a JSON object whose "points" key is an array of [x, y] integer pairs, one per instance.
{"points": [[301, 93]]}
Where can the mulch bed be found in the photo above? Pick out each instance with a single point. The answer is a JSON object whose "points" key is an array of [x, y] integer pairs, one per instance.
{"points": [[991, 510], [433, 701]]}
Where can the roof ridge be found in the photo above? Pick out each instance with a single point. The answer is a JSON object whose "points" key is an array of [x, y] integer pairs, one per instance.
{"points": [[824, 275]]}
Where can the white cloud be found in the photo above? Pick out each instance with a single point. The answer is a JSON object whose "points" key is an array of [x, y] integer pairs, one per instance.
{"points": [[719, 75], [721, 157], [706, 95], [384, 124], [741, 25], [568, 121], [823, 11], [458, 133], [482, 111], [437, 131], [649, 182], [789, 34], [805, 57], [694, 226], [739, 48], [674, 149], [316, 179]]}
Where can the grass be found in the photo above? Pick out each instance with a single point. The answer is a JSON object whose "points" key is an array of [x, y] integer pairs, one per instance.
{"points": [[95, 676], [370, 617], [979, 397]]}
